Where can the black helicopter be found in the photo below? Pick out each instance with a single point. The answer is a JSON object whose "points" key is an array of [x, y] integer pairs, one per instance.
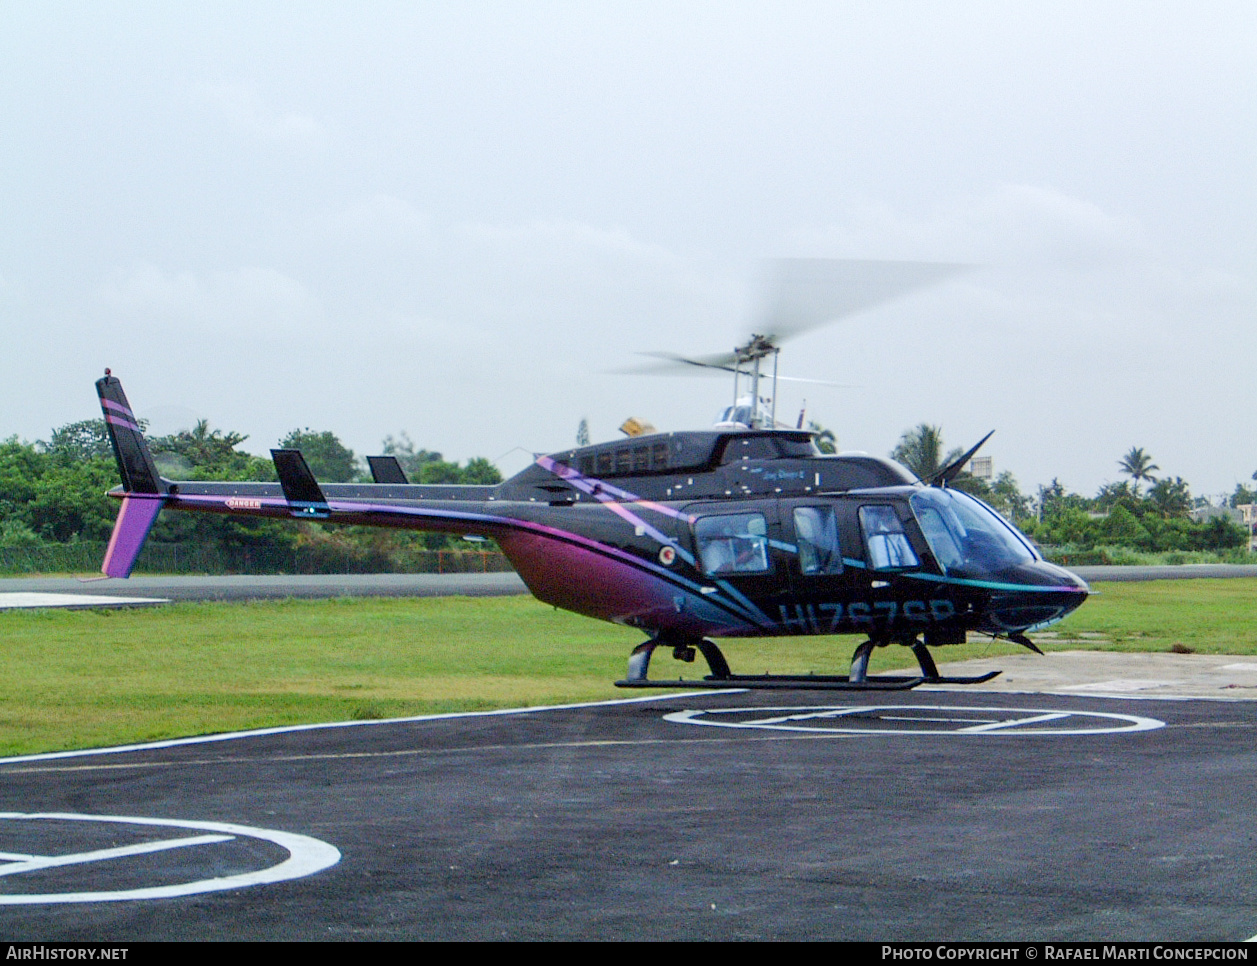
{"points": [[745, 530]]}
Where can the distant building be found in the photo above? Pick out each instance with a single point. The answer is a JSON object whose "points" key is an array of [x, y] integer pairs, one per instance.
{"points": [[1245, 515], [1248, 516], [1202, 514], [983, 468]]}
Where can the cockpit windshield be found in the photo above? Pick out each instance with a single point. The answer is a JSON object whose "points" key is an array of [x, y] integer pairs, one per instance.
{"points": [[966, 536]]}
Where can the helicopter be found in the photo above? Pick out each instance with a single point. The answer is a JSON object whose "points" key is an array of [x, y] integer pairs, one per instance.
{"points": [[742, 530]]}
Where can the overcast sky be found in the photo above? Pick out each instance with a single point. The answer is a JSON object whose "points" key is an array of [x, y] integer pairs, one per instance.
{"points": [[456, 219]]}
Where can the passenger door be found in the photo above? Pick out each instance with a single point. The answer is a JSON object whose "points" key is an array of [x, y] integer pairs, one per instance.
{"points": [[740, 546]]}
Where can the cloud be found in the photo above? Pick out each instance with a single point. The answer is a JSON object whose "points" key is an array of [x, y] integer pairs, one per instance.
{"points": [[8, 290], [570, 237], [1014, 225], [597, 285], [254, 299], [1080, 333], [380, 215], [245, 109]]}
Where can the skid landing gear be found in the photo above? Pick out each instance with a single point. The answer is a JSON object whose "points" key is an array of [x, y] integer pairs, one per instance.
{"points": [[686, 649]]}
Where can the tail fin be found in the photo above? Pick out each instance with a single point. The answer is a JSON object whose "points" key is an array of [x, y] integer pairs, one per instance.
{"points": [[301, 490], [145, 489], [135, 463], [386, 469]]}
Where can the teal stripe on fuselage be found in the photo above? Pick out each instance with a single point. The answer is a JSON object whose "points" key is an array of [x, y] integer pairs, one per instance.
{"points": [[984, 584]]}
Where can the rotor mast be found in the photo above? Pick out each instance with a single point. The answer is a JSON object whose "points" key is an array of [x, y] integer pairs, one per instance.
{"points": [[754, 352]]}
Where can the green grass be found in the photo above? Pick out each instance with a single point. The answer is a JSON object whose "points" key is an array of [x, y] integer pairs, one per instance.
{"points": [[85, 678], [76, 679]]}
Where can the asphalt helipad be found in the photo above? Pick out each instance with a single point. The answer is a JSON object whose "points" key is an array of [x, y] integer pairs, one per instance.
{"points": [[917, 815]]}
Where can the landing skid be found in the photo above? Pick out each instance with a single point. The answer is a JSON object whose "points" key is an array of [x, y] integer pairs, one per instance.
{"points": [[721, 677]]}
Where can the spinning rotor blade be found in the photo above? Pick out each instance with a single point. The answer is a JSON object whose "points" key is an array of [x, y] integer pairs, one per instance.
{"points": [[670, 365], [819, 382], [808, 292], [805, 293], [669, 361]]}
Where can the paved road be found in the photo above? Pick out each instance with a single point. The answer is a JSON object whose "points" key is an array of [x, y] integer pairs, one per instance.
{"points": [[896, 817], [1183, 572], [264, 588], [428, 585]]}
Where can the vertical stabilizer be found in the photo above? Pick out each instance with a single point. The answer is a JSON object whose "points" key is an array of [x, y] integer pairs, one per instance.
{"points": [[386, 469], [135, 463], [145, 489], [130, 530], [301, 490]]}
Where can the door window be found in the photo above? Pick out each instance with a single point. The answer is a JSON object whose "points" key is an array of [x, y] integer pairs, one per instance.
{"points": [[888, 545], [733, 543], [816, 532]]}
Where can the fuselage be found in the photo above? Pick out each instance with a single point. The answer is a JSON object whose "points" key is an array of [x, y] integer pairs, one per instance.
{"points": [[720, 534]]}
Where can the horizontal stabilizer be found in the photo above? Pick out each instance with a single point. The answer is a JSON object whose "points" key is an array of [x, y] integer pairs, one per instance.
{"points": [[301, 489], [386, 469]]}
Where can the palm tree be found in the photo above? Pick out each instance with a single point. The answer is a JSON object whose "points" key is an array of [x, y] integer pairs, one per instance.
{"points": [[1171, 497], [921, 450], [826, 441], [1138, 466]]}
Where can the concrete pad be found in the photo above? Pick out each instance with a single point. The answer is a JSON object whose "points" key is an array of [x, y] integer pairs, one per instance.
{"points": [[75, 601], [1111, 673]]}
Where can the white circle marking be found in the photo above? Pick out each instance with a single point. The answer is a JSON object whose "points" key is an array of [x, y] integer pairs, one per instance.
{"points": [[306, 856], [1029, 721]]}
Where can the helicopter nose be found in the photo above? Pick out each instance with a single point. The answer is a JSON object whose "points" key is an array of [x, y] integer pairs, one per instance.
{"points": [[1066, 579], [1044, 593]]}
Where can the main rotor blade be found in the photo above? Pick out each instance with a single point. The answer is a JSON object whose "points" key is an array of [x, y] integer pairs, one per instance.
{"points": [[808, 292], [723, 360], [816, 382], [672, 364]]}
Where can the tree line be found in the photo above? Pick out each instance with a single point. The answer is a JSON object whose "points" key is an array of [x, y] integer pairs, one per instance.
{"points": [[54, 491]]}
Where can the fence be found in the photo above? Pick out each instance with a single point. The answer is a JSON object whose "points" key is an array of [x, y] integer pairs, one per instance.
{"points": [[173, 558]]}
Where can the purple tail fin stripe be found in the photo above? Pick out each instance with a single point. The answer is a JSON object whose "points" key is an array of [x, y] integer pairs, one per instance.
{"points": [[135, 519], [116, 407], [124, 423]]}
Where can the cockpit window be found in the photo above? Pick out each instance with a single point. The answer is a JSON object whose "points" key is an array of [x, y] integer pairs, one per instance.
{"points": [[737, 414], [967, 536], [888, 545], [816, 532], [797, 447], [733, 543]]}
